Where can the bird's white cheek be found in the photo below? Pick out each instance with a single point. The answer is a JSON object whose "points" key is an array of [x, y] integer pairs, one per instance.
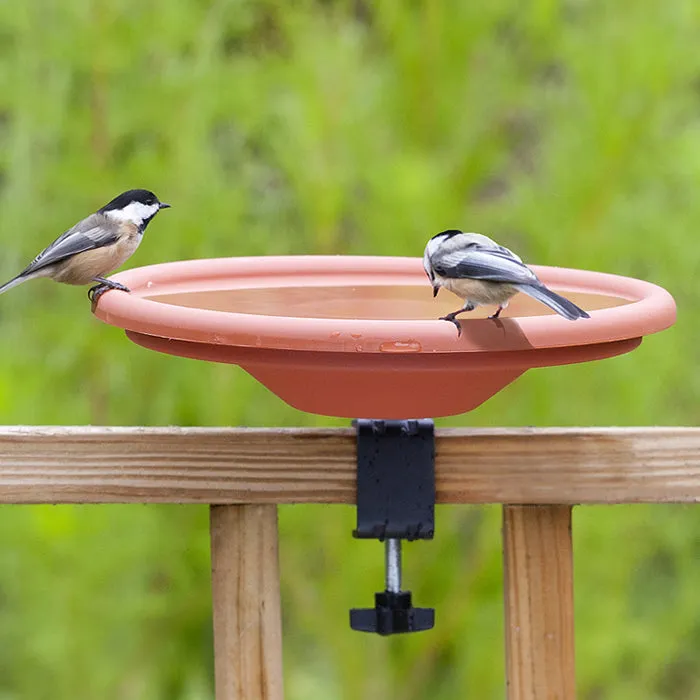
{"points": [[135, 211]]}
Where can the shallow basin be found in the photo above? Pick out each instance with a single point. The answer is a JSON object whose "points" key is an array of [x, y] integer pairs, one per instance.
{"points": [[360, 336]]}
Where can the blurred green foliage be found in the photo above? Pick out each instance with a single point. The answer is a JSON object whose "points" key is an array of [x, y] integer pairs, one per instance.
{"points": [[567, 130]]}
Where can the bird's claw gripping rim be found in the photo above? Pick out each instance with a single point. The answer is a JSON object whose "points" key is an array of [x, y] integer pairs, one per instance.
{"points": [[95, 292], [452, 319]]}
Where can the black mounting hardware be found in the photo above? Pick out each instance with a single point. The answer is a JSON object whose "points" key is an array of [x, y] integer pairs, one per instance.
{"points": [[395, 501]]}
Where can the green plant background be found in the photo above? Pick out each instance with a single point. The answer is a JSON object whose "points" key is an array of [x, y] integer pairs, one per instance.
{"points": [[569, 131]]}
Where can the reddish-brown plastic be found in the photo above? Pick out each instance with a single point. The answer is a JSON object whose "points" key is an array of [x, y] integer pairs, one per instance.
{"points": [[359, 336]]}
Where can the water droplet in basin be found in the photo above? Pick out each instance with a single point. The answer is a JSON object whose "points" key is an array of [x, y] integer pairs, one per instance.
{"points": [[356, 335], [217, 339], [401, 346], [149, 284], [358, 348], [335, 334]]}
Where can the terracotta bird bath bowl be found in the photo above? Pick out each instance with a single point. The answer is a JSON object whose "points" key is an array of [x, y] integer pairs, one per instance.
{"points": [[360, 336]]}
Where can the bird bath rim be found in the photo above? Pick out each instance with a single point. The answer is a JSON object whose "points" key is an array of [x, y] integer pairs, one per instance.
{"points": [[649, 308]]}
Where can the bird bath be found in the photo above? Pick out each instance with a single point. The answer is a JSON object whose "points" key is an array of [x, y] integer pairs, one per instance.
{"points": [[360, 336]]}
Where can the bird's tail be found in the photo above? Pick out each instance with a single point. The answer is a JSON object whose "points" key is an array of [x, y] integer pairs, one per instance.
{"points": [[13, 283], [555, 301]]}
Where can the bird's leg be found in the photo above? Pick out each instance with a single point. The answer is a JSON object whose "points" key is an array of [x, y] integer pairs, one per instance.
{"points": [[452, 317], [497, 314], [94, 293], [498, 310], [111, 284]]}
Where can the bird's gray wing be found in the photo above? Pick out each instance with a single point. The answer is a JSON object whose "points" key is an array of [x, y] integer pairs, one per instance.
{"points": [[92, 232], [493, 264]]}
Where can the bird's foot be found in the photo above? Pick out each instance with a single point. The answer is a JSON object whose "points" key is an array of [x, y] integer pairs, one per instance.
{"points": [[452, 318], [94, 293]]}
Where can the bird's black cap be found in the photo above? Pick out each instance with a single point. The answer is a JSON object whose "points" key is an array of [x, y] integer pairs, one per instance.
{"points": [[448, 233], [125, 198]]}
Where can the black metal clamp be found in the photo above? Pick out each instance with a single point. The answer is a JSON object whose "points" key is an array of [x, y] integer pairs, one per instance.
{"points": [[395, 501]]}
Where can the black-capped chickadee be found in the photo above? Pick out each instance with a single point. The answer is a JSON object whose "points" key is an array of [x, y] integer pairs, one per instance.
{"points": [[96, 245], [481, 272]]}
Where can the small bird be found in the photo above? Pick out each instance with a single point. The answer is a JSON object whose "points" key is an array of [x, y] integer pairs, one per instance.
{"points": [[96, 245], [480, 271]]}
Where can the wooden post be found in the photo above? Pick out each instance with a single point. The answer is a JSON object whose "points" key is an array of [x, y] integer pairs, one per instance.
{"points": [[246, 602], [538, 570]]}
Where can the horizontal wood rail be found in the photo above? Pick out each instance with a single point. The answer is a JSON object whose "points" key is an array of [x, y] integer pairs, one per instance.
{"points": [[270, 466], [538, 474]]}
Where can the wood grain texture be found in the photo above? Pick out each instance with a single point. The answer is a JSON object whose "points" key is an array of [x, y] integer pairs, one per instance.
{"points": [[238, 465], [539, 607], [246, 603]]}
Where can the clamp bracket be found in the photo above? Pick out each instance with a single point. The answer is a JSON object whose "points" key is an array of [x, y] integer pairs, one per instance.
{"points": [[395, 501]]}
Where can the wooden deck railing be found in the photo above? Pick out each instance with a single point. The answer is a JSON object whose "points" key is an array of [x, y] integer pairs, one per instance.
{"points": [[538, 474]]}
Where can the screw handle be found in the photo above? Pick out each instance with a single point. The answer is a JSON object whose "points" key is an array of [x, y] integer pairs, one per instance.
{"points": [[392, 613]]}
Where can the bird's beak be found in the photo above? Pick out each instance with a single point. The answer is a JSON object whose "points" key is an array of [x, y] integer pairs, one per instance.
{"points": [[436, 289], [163, 205]]}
